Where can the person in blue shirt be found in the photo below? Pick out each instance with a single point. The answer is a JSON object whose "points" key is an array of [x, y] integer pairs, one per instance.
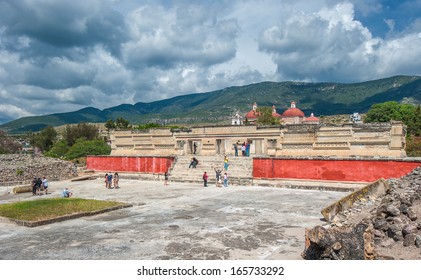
{"points": [[67, 193]]}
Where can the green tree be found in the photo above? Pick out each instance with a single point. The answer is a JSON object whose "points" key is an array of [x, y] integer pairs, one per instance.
{"points": [[81, 130], [122, 123], [265, 116], [83, 148], [43, 139], [392, 110], [110, 124], [59, 150]]}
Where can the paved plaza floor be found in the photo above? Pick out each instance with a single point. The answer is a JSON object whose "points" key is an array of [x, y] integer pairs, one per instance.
{"points": [[180, 221]]}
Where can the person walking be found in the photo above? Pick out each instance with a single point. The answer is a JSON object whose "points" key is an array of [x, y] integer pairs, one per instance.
{"points": [[225, 180], [205, 179]]}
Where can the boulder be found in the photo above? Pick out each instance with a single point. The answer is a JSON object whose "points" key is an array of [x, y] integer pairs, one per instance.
{"points": [[345, 243]]}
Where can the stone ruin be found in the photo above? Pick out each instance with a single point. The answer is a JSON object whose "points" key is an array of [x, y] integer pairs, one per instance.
{"points": [[21, 169], [383, 227]]}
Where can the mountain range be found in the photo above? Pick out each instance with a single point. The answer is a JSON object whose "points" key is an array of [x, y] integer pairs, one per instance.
{"points": [[218, 106]]}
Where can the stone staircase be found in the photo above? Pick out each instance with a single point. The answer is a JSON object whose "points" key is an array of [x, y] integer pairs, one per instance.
{"points": [[239, 171]]}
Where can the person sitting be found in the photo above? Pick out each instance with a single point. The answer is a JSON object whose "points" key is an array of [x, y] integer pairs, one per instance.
{"points": [[67, 193]]}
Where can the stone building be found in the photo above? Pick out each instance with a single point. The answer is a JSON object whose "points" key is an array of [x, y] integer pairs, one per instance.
{"points": [[295, 140]]}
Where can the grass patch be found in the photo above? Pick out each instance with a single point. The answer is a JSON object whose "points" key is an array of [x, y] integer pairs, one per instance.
{"points": [[50, 208]]}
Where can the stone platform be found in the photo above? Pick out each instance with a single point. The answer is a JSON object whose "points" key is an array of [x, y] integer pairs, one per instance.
{"points": [[179, 221]]}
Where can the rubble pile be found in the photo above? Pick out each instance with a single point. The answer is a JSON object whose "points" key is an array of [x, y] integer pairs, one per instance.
{"points": [[385, 227], [23, 168]]}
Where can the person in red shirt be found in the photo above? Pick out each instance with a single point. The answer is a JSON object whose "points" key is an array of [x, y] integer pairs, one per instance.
{"points": [[205, 179]]}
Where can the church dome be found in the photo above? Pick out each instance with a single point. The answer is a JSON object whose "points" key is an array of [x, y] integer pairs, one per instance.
{"points": [[312, 119], [274, 113], [253, 114], [293, 112]]}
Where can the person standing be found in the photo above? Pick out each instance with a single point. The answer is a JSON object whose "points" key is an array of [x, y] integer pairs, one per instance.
{"points": [[34, 186], [225, 180], [225, 163], [218, 177], [194, 148], [205, 179], [110, 180], [116, 179], [236, 149], [243, 149], [45, 184], [106, 180], [166, 177]]}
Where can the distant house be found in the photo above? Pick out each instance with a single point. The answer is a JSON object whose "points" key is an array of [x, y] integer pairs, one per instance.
{"points": [[355, 118], [237, 119]]}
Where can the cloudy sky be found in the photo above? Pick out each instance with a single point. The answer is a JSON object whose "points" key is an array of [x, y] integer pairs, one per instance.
{"points": [[60, 56]]}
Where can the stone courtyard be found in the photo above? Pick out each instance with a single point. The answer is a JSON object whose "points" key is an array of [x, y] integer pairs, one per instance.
{"points": [[179, 221]]}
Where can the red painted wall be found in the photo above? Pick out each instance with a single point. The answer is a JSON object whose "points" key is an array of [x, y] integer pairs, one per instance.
{"points": [[335, 170], [129, 164]]}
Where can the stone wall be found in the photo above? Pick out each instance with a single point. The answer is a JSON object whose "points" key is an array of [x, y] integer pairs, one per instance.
{"points": [[18, 169], [377, 226], [348, 140]]}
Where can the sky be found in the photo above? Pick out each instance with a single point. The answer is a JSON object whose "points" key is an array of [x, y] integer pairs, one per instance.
{"points": [[61, 56]]}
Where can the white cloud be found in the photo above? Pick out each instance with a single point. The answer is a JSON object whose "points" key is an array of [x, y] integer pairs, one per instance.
{"points": [[330, 45]]}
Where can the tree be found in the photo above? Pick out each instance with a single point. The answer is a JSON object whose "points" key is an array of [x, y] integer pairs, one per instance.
{"points": [[81, 130], [122, 123], [83, 148], [59, 149], [392, 110], [110, 124], [43, 139], [264, 116]]}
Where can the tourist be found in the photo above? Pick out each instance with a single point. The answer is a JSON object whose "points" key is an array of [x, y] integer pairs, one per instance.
{"points": [[74, 170], [67, 193], [45, 184], [225, 180], [247, 149], [226, 163], [243, 149], [218, 177], [34, 186], [106, 180], [166, 177], [205, 179], [193, 163], [110, 180], [236, 150], [38, 186], [116, 179]]}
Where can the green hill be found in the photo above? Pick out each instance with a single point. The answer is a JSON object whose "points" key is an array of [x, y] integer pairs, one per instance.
{"points": [[217, 106]]}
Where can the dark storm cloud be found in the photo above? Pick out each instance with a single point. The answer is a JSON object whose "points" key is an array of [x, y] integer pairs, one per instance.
{"points": [[63, 24]]}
